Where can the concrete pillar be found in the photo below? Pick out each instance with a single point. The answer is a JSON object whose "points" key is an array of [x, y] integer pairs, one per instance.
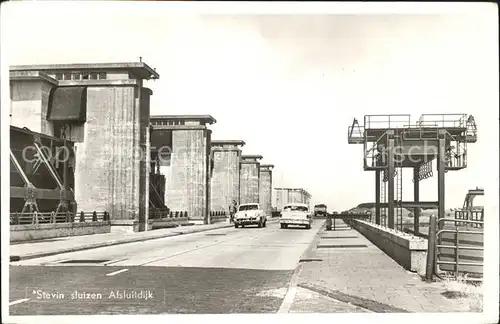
{"points": [[188, 164], [143, 106], [249, 179], [266, 187], [416, 198], [107, 171], [390, 169], [377, 197], [441, 172], [225, 181]]}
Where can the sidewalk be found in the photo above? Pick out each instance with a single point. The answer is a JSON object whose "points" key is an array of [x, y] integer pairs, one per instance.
{"points": [[347, 273], [42, 248]]}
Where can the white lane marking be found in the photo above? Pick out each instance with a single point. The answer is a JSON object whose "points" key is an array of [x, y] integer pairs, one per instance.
{"points": [[292, 291], [114, 261], [18, 301], [116, 272], [288, 301]]}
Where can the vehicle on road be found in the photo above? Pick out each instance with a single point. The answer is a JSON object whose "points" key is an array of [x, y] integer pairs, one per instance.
{"points": [[320, 210], [296, 214], [250, 214]]}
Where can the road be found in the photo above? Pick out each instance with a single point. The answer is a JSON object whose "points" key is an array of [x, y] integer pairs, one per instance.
{"points": [[222, 271]]}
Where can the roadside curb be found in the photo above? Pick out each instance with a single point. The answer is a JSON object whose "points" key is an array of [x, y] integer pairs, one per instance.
{"points": [[310, 252], [14, 258]]}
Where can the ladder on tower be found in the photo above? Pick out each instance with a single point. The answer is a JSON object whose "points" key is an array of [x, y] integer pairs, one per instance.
{"points": [[383, 197], [398, 167], [399, 198]]}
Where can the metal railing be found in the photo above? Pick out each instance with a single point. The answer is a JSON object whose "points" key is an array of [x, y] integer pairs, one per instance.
{"points": [[52, 217], [346, 217], [443, 120], [425, 120], [386, 121], [457, 247], [218, 215], [161, 215], [473, 215], [419, 132], [355, 133]]}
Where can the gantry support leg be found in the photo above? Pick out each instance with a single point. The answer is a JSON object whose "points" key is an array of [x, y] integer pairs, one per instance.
{"points": [[377, 197], [64, 203], [441, 172], [416, 198], [390, 169]]}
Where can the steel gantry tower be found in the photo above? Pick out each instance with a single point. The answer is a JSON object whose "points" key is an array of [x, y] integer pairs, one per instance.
{"points": [[393, 142]]}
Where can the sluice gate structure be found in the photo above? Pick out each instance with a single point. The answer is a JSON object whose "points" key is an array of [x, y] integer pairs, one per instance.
{"points": [[104, 109], [41, 173]]}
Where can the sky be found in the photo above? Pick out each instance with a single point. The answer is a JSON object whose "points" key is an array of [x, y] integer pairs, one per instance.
{"points": [[289, 85]]}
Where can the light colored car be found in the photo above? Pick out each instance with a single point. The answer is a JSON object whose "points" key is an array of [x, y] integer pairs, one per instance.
{"points": [[250, 214], [296, 214]]}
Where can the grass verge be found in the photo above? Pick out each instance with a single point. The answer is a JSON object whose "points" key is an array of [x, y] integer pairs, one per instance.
{"points": [[470, 293]]}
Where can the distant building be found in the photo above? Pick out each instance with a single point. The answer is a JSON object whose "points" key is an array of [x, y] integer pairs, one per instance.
{"points": [[285, 196]]}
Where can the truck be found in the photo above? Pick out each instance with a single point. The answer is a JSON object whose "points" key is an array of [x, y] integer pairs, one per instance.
{"points": [[320, 210]]}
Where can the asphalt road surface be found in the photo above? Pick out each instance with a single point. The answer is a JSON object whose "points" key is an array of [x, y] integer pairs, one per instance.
{"points": [[222, 271]]}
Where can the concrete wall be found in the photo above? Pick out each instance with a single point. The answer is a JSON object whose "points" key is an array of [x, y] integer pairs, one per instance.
{"points": [[169, 222], [20, 233], [265, 190], [187, 176], [29, 104], [408, 250], [249, 182], [225, 182], [128, 226]]}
